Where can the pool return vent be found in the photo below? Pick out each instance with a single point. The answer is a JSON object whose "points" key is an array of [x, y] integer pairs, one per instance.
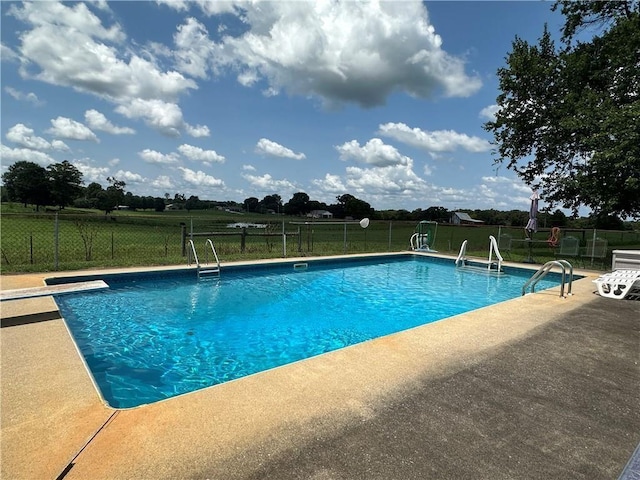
{"points": [[490, 267], [208, 270]]}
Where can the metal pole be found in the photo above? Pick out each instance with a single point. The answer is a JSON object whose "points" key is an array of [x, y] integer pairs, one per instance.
{"points": [[55, 242], [284, 242], [390, 235], [345, 238]]}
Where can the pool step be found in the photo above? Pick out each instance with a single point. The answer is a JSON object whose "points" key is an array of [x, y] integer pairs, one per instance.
{"points": [[209, 272], [478, 267]]}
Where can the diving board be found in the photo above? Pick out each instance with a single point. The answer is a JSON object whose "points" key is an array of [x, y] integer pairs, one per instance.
{"points": [[47, 290]]}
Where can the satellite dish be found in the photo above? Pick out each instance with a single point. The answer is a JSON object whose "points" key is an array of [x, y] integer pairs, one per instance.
{"points": [[364, 223]]}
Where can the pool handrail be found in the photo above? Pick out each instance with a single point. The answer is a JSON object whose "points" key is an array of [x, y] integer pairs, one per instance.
{"points": [[215, 254], [493, 248], [546, 268], [195, 254], [462, 256], [201, 271]]}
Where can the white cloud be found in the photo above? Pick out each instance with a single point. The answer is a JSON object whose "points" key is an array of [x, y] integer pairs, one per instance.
{"points": [[24, 136], [91, 173], [489, 113], [16, 154], [21, 96], [7, 54], [193, 48], [330, 184], [374, 152], [268, 147], [436, 141], [200, 178], [344, 52], [392, 179], [75, 17], [379, 186], [163, 182], [209, 7], [179, 5], [163, 116], [64, 127], [197, 131], [129, 177], [249, 168], [67, 45], [267, 183], [499, 179], [198, 154], [152, 156], [98, 121]]}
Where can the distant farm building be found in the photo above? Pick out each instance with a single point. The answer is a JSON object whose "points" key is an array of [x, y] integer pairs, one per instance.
{"points": [[320, 214], [460, 218]]}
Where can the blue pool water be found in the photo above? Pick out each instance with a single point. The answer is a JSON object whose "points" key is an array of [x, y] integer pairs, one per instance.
{"points": [[150, 338]]}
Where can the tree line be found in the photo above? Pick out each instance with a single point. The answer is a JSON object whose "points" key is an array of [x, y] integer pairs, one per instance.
{"points": [[61, 185]]}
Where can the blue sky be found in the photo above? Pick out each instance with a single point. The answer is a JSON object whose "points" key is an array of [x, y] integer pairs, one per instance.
{"points": [[229, 100]]}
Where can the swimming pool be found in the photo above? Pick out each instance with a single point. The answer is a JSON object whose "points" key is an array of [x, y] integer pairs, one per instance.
{"points": [[151, 337]]}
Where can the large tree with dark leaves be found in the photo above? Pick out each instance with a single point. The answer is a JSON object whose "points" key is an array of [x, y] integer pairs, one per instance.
{"points": [[569, 116], [27, 182], [65, 183]]}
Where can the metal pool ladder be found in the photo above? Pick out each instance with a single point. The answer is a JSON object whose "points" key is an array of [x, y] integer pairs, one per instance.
{"points": [[462, 261], [208, 270], [546, 268]]}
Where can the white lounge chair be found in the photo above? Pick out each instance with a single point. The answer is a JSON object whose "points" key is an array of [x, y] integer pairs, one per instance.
{"points": [[619, 284]]}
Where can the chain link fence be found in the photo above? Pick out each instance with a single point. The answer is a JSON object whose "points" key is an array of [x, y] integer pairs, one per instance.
{"points": [[51, 242]]}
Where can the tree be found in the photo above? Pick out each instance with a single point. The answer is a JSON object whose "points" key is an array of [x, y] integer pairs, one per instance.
{"points": [[111, 197], [437, 214], [354, 207], [92, 190], [65, 183], [27, 182], [568, 118], [193, 203], [159, 205], [298, 205], [271, 202], [251, 204]]}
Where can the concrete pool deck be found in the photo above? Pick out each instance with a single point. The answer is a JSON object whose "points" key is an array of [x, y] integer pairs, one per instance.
{"points": [[537, 387]]}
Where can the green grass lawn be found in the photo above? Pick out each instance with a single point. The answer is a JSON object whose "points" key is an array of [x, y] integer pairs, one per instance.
{"points": [[90, 239]]}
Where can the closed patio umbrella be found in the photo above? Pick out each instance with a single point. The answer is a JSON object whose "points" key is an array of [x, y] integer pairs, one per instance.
{"points": [[532, 224]]}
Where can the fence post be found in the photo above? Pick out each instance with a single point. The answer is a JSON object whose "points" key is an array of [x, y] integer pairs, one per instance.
{"points": [[284, 241], [31, 248], [243, 237], [345, 238], [56, 250], [183, 238], [390, 223]]}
